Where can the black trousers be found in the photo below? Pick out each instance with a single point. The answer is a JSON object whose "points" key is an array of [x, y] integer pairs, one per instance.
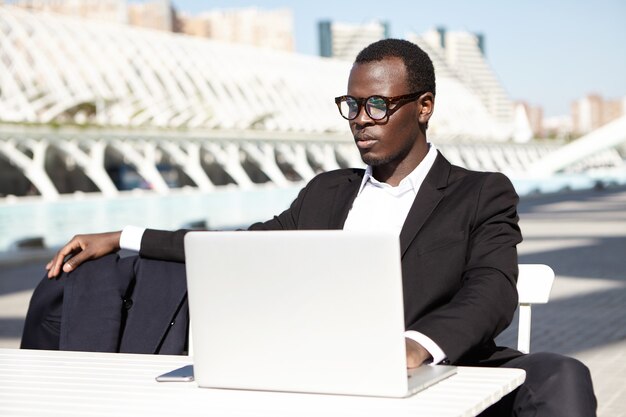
{"points": [[555, 385]]}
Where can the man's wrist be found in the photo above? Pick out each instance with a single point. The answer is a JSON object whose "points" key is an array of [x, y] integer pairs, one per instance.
{"points": [[416, 355], [427, 343]]}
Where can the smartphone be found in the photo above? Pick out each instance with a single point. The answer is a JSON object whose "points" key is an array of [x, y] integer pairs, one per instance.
{"points": [[184, 374]]}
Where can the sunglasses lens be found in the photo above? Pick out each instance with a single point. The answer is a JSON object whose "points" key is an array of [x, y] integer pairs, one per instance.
{"points": [[376, 107], [349, 108]]}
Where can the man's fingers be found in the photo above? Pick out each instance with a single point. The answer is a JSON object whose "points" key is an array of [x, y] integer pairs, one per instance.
{"points": [[82, 248], [55, 267], [57, 262], [75, 261]]}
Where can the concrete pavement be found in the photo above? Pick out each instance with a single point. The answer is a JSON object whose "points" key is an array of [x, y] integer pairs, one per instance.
{"points": [[581, 235]]}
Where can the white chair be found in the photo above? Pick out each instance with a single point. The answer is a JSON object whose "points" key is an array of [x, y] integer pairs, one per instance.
{"points": [[534, 284]]}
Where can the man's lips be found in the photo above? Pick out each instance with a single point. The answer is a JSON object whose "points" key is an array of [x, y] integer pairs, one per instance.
{"points": [[364, 141]]}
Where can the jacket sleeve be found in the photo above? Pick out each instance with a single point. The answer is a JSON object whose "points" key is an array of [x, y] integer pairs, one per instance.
{"points": [[163, 245]]}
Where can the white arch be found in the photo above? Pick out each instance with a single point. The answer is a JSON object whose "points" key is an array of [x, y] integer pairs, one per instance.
{"points": [[605, 138]]}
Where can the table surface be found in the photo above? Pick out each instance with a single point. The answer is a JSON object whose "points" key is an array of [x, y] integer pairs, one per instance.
{"points": [[53, 383]]}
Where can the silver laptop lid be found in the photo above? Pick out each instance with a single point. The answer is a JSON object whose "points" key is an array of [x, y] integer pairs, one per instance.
{"points": [[304, 311]]}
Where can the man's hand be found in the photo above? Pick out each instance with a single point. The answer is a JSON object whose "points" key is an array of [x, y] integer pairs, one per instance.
{"points": [[83, 248], [416, 355]]}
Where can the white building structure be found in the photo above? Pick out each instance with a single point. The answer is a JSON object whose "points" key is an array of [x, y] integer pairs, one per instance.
{"points": [[251, 26], [58, 69], [459, 55], [211, 113], [107, 10], [345, 40], [594, 111]]}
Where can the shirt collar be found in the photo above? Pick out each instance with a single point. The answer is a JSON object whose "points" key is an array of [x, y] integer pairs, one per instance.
{"points": [[414, 179]]}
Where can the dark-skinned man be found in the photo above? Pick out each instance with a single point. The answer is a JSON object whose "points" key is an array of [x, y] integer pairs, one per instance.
{"points": [[458, 231]]}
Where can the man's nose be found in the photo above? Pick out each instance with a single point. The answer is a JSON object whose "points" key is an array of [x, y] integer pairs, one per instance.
{"points": [[362, 118]]}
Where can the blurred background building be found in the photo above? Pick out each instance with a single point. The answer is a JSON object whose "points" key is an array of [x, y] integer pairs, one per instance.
{"points": [[460, 55], [158, 14], [253, 26], [161, 100], [263, 28], [106, 10], [345, 40], [593, 111]]}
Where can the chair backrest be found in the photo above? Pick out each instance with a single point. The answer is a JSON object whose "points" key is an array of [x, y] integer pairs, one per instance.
{"points": [[534, 284]]}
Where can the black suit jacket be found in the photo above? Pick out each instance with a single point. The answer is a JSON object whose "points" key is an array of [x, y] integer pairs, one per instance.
{"points": [[458, 243]]}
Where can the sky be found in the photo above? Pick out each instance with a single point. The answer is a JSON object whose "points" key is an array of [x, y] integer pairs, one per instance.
{"points": [[547, 53]]}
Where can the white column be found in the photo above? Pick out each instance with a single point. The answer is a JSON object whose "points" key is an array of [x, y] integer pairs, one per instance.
{"points": [[350, 154], [324, 155], [33, 168], [229, 158], [189, 161], [91, 163], [264, 155], [295, 155], [143, 156]]}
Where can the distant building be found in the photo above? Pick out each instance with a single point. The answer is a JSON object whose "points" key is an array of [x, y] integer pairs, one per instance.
{"points": [[159, 15], [459, 58], [558, 127], [345, 40], [270, 29], [535, 118], [263, 28], [593, 111], [461, 55], [107, 10], [121, 76]]}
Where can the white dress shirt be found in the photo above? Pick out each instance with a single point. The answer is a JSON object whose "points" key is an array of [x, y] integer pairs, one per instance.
{"points": [[378, 206]]}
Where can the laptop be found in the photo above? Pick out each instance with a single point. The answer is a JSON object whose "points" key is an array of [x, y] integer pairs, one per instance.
{"points": [[300, 311]]}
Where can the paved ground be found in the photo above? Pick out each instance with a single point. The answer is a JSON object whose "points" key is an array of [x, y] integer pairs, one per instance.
{"points": [[581, 235]]}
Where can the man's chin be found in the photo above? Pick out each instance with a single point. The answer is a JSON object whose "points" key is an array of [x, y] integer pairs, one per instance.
{"points": [[372, 160]]}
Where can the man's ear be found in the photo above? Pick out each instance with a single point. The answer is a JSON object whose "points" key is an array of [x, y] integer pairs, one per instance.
{"points": [[426, 107]]}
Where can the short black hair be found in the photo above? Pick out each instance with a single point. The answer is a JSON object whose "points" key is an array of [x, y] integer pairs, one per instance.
{"points": [[420, 70]]}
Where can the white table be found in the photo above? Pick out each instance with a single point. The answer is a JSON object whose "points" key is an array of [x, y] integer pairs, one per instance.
{"points": [[51, 383]]}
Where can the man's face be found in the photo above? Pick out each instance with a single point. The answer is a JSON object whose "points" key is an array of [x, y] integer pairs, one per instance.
{"points": [[392, 140]]}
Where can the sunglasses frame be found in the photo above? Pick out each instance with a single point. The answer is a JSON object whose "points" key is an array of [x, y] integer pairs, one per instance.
{"points": [[399, 100]]}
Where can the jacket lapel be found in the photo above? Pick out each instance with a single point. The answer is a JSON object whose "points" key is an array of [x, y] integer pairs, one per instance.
{"points": [[428, 197], [346, 190]]}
